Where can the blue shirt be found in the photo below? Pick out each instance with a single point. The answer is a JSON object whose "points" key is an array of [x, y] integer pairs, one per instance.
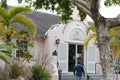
{"points": [[78, 70]]}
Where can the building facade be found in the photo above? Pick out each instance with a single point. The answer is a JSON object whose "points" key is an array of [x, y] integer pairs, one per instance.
{"points": [[65, 43]]}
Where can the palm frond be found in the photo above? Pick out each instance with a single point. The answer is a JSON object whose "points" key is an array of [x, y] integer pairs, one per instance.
{"points": [[113, 43], [90, 28], [6, 47], [16, 10], [116, 51], [114, 39], [27, 22], [12, 31], [114, 31], [88, 39], [27, 56], [5, 52], [3, 13], [5, 57], [3, 29]]}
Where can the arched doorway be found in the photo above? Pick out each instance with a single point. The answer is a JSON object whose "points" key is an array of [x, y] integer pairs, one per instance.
{"points": [[71, 50], [75, 48]]}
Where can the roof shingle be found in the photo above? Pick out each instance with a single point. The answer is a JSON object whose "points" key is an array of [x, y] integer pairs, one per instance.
{"points": [[43, 22]]}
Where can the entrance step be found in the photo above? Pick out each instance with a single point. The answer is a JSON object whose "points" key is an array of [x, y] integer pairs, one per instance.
{"points": [[95, 77], [70, 76]]}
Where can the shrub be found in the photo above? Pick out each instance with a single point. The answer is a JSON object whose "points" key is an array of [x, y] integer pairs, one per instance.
{"points": [[17, 70], [38, 73]]}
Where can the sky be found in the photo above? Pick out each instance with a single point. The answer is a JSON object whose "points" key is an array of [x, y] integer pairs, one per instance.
{"points": [[112, 11], [108, 12]]}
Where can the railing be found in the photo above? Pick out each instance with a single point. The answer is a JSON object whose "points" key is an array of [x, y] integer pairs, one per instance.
{"points": [[89, 77]]}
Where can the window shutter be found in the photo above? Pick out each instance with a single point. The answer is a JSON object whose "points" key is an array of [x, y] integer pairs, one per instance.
{"points": [[91, 58], [32, 49], [63, 57]]}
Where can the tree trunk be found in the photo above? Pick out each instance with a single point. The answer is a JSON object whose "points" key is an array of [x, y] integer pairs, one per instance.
{"points": [[106, 57]]}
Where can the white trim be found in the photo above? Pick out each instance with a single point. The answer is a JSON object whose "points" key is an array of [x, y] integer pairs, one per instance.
{"points": [[73, 28], [74, 42]]}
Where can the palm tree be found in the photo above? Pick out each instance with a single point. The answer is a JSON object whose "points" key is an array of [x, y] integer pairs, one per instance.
{"points": [[14, 15], [114, 39], [8, 17]]}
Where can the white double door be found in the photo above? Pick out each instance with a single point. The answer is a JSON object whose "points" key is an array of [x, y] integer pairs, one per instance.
{"points": [[69, 55]]}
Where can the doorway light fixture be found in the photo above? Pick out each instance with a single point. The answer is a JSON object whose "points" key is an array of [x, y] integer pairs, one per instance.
{"points": [[57, 41], [54, 53]]}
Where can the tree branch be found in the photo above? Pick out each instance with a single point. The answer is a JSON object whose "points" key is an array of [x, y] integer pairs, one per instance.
{"points": [[83, 5], [113, 22], [95, 9]]}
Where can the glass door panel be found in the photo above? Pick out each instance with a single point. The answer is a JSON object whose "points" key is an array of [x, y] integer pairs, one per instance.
{"points": [[72, 57], [75, 55], [80, 55]]}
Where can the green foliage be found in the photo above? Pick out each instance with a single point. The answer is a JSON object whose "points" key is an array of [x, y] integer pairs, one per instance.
{"points": [[82, 14], [117, 69], [63, 7], [114, 39], [16, 10], [89, 38], [91, 28], [6, 47], [4, 3], [27, 56], [15, 15], [5, 52], [5, 57], [19, 1], [38, 73], [112, 2], [31, 44], [66, 7], [27, 22], [17, 70]]}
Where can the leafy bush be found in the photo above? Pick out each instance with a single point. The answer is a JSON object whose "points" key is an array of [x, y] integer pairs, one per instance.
{"points": [[38, 73], [17, 71]]}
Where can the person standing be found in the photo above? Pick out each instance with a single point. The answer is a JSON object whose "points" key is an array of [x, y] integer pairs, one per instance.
{"points": [[78, 71]]}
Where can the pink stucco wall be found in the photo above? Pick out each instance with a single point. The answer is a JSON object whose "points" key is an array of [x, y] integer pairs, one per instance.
{"points": [[60, 32]]}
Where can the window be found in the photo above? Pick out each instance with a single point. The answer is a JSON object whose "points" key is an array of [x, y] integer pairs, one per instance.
{"points": [[22, 46]]}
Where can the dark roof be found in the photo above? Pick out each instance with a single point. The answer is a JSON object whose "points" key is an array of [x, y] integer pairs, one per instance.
{"points": [[43, 22]]}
